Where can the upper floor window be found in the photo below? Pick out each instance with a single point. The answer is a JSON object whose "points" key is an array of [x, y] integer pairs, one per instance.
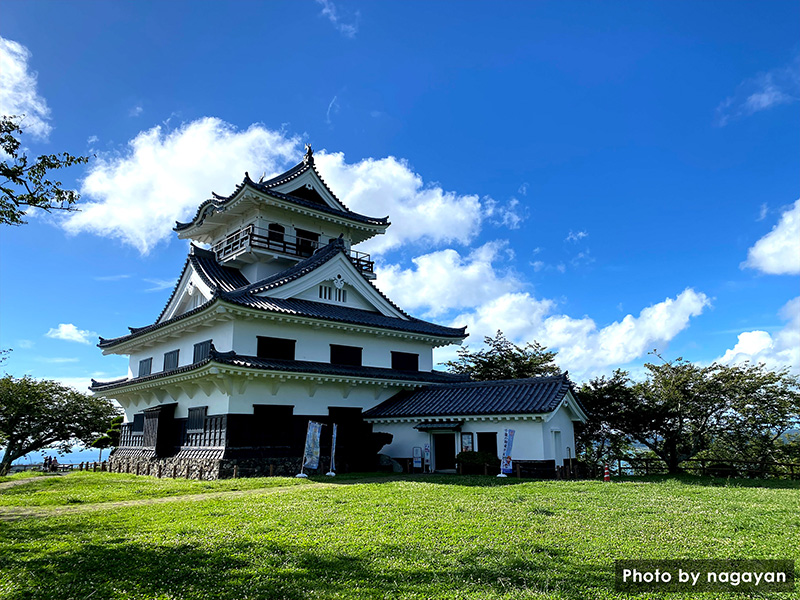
{"points": [[137, 428], [327, 292], [145, 367], [275, 233], [405, 361], [171, 360], [201, 351], [346, 355], [272, 347], [197, 419]]}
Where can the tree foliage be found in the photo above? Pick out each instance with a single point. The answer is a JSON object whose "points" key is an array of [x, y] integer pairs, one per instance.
{"points": [[503, 359], [37, 414], [682, 411], [25, 183]]}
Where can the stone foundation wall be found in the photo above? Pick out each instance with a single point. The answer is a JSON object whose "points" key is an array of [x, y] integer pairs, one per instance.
{"points": [[211, 468]]}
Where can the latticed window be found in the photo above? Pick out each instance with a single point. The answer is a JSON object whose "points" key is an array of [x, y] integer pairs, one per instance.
{"points": [[145, 367], [201, 351], [171, 360], [197, 419], [137, 428]]}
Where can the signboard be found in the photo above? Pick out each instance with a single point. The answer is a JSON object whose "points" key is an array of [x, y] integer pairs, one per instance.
{"points": [[427, 451], [467, 442], [416, 452], [311, 456], [508, 442]]}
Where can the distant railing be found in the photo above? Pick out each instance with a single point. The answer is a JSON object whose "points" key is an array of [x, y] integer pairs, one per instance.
{"points": [[718, 467], [252, 237]]}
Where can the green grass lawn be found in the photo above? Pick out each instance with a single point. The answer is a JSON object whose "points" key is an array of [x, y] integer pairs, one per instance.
{"points": [[401, 537]]}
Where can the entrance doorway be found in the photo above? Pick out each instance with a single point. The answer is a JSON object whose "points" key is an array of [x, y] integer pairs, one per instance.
{"points": [[444, 451]]}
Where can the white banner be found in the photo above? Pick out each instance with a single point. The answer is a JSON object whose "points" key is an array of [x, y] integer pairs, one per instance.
{"points": [[311, 457]]}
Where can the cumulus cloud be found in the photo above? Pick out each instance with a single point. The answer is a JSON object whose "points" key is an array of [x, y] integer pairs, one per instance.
{"points": [[70, 333], [778, 252], [162, 177], [445, 280], [776, 351], [510, 214], [418, 212], [584, 347], [765, 90], [18, 84], [347, 29]]}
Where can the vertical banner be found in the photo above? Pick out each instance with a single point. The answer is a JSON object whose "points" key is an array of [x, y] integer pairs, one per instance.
{"points": [[508, 442], [311, 457], [333, 450]]}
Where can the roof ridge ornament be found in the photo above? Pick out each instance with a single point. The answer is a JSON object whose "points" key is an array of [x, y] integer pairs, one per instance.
{"points": [[308, 158]]}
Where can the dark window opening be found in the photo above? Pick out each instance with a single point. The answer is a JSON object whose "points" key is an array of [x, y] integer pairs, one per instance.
{"points": [[275, 232], [405, 361], [145, 367], [201, 351], [138, 424], [311, 195], [307, 242], [277, 348], [346, 355], [197, 419], [171, 360], [487, 442]]}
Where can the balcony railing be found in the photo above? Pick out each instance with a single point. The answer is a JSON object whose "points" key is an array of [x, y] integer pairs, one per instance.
{"points": [[257, 238]]}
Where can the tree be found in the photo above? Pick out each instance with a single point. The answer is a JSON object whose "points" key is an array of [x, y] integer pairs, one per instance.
{"points": [[504, 360], [110, 439], [24, 184], [38, 414], [683, 411], [597, 440]]}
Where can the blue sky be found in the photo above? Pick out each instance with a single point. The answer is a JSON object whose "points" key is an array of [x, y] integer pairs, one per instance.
{"points": [[605, 178]]}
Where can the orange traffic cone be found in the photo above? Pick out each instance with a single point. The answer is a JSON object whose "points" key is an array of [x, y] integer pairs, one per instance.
{"points": [[606, 474]]}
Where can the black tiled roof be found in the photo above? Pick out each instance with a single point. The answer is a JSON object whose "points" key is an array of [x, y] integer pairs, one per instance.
{"points": [[537, 395], [287, 366], [221, 280], [218, 203]]}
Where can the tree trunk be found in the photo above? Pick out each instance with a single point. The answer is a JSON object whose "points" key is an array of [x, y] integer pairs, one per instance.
{"points": [[5, 464]]}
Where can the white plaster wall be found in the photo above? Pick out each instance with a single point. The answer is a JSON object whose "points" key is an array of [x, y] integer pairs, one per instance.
{"points": [[313, 344], [532, 439], [216, 402], [220, 333], [299, 395], [354, 299], [561, 422]]}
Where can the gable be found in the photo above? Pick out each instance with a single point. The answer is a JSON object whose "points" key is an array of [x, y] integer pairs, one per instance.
{"points": [[346, 285], [310, 187], [190, 293]]}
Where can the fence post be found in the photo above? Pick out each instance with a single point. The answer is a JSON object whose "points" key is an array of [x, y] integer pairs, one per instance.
{"points": [[519, 475], [235, 471], [271, 469], [200, 473], [619, 467]]}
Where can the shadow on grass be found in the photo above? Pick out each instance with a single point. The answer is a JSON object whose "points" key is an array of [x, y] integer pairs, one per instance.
{"points": [[707, 481], [237, 570]]}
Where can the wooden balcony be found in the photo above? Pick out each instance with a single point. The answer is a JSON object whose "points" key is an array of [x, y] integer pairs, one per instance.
{"points": [[251, 238]]}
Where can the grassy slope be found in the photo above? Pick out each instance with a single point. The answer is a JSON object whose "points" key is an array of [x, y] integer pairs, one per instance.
{"points": [[439, 537]]}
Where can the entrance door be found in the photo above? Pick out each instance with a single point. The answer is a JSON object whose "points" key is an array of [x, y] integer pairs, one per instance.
{"points": [[444, 448]]}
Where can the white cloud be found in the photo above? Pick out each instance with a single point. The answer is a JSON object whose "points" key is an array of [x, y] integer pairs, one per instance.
{"points": [[160, 284], [137, 195], [333, 106], [330, 11], [388, 186], [136, 111], [780, 350], [70, 333], [111, 277], [18, 84], [509, 215], [574, 237], [445, 280], [57, 360], [583, 347], [778, 252], [763, 211], [765, 90]]}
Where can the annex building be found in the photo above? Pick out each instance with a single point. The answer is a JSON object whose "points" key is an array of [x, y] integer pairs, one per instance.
{"points": [[275, 321]]}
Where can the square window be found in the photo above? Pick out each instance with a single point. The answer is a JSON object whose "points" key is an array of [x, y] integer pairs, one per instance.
{"points": [[276, 348], [171, 360], [201, 351], [346, 355], [145, 367]]}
